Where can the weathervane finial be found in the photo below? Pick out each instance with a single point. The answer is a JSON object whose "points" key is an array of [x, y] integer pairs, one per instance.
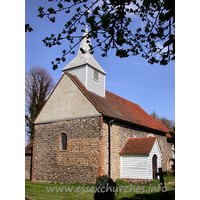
{"points": [[85, 43]]}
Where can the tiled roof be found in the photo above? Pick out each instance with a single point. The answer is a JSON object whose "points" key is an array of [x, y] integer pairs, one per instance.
{"points": [[138, 146], [119, 108], [29, 147], [168, 135]]}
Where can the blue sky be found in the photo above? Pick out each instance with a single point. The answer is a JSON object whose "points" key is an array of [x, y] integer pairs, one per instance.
{"points": [[150, 86]]}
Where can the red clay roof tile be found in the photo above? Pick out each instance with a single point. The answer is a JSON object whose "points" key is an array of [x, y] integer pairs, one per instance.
{"points": [[117, 107], [138, 146]]}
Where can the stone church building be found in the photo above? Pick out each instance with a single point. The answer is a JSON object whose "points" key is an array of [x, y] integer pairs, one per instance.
{"points": [[84, 131]]}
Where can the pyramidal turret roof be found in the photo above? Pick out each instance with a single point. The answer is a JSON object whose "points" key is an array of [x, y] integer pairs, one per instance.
{"points": [[84, 58]]}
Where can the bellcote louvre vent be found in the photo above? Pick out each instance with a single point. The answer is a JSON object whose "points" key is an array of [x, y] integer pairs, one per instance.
{"points": [[96, 75]]}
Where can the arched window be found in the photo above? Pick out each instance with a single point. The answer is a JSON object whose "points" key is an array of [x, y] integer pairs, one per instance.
{"points": [[154, 166], [63, 141]]}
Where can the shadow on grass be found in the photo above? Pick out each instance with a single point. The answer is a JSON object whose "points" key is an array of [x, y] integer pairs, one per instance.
{"points": [[170, 195]]}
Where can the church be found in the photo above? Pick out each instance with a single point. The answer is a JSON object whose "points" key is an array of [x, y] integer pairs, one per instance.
{"points": [[83, 131]]}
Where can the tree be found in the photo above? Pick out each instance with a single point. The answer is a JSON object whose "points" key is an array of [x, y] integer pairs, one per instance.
{"points": [[154, 115], [110, 25], [170, 124], [172, 133], [38, 85]]}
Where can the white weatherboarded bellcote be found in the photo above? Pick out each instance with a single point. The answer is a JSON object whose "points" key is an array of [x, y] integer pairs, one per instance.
{"points": [[140, 158], [84, 66]]}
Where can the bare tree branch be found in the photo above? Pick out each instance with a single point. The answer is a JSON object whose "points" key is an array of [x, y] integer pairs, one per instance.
{"points": [[38, 85]]}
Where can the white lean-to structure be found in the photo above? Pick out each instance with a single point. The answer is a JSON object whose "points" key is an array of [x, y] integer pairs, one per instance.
{"points": [[140, 166]]}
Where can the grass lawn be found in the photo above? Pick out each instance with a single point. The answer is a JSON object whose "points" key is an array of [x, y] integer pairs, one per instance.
{"points": [[56, 191]]}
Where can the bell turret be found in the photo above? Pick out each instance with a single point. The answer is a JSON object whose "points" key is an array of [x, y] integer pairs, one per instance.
{"points": [[87, 69]]}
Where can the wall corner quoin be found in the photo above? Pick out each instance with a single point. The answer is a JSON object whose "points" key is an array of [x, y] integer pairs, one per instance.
{"points": [[32, 160], [101, 122], [35, 127]]}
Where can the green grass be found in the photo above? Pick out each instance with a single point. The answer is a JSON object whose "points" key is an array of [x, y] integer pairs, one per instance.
{"points": [[168, 179], [150, 191], [38, 191]]}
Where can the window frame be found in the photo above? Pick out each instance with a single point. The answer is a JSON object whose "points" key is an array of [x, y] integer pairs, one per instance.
{"points": [[96, 75], [61, 142]]}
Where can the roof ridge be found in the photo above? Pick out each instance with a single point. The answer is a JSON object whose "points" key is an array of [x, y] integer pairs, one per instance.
{"points": [[119, 108]]}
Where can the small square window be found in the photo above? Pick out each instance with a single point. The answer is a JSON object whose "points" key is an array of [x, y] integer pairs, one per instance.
{"points": [[96, 75]]}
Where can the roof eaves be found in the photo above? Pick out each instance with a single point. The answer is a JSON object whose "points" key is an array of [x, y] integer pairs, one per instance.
{"points": [[28, 148], [131, 123], [102, 71], [129, 140], [84, 59]]}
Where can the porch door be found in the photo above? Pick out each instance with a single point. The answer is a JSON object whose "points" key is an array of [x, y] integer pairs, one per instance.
{"points": [[154, 166]]}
